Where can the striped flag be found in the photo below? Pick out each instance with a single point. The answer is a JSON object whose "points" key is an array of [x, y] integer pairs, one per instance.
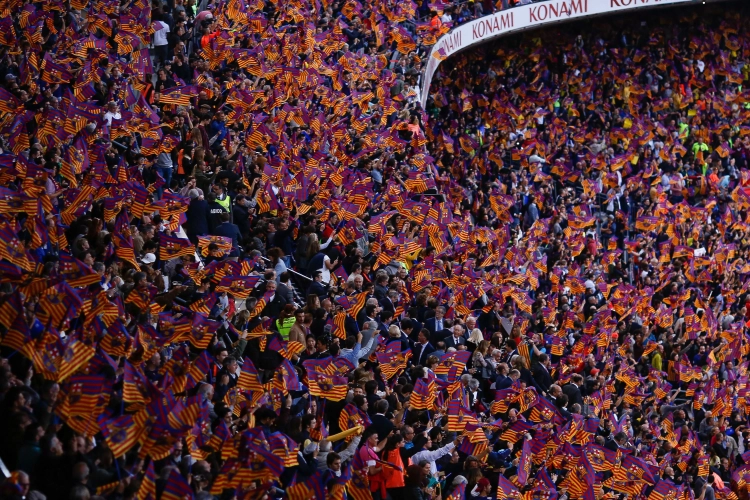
{"points": [[663, 490], [285, 448], [393, 363], [176, 487], [457, 359], [423, 395], [124, 432], [351, 417], [179, 96], [239, 287], [249, 380], [135, 387], [286, 377], [58, 304], [459, 417], [311, 487], [82, 394], [18, 336], [147, 491], [76, 273], [261, 304], [290, 349], [203, 330], [515, 430], [330, 387], [198, 370], [507, 490], [12, 250], [458, 493], [524, 463], [353, 304], [544, 487], [172, 247], [76, 354]]}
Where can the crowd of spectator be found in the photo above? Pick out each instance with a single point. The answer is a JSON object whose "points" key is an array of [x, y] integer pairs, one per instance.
{"points": [[238, 259]]}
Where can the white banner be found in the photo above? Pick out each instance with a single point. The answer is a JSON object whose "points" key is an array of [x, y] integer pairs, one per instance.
{"points": [[523, 18]]}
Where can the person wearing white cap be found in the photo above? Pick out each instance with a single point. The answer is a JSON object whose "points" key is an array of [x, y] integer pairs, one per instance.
{"points": [[148, 258]]}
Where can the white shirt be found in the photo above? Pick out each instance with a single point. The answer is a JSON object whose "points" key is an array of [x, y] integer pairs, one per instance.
{"points": [[108, 116], [326, 272], [160, 36], [432, 456]]}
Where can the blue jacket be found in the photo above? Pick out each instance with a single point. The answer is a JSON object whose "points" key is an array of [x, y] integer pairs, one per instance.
{"points": [[229, 230]]}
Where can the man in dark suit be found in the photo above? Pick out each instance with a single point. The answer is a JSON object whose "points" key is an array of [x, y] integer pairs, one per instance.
{"points": [[436, 323], [380, 422], [381, 286], [411, 316], [620, 441], [384, 324], [395, 334], [556, 397], [504, 382], [228, 230], [226, 378], [275, 303], [540, 372], [317, 287], [423, 348], [388, 303], [573, 390], [368, 313], [457, 339], [281, 289]]}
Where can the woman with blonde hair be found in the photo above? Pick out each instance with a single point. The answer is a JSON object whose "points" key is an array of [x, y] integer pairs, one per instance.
{"points": [[312, 304], [475, 338], [478, 361], [519, 363], [197, 137]]}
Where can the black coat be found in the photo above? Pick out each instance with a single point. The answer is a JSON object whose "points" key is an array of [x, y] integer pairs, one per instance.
{"points": [[197, 219], [382, 425], [240, 217], [451, 342], [214, 215], [421, 357], [228, 230], [273, 308], [317, 288], [430, 325], [542, 376], [574, 395]]}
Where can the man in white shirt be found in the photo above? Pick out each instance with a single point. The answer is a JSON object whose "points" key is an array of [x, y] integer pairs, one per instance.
{"points": [[423, 348], [436, 323], [457, 339], [431, 456], [161, 49], [112, 113]]}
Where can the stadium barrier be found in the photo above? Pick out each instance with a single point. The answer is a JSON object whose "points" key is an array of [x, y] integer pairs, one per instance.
{"points": [[522, 18]]}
